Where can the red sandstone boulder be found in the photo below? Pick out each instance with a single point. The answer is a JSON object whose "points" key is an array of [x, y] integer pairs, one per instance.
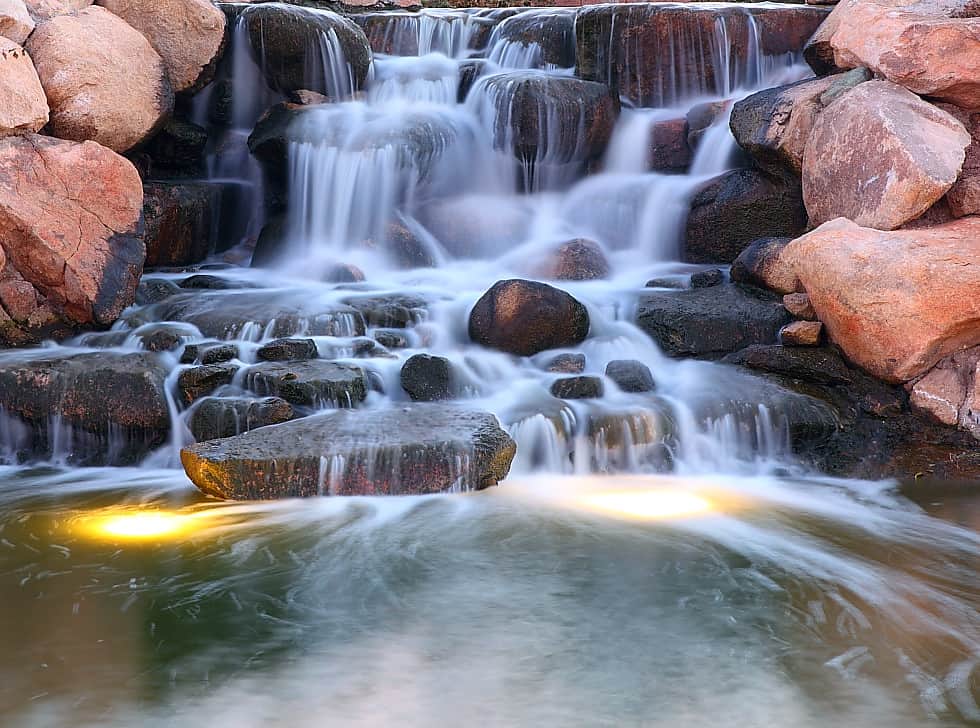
{"points": [[103, 79], [880, 156], [189, 35], [71, 252], [16, 22], [22, 103], [930, 48], [894, 302]]}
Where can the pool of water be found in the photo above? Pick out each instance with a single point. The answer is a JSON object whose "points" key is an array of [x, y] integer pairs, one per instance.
{"points": [[637, 600]]}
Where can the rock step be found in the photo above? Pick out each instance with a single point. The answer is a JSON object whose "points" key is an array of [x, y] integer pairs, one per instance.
{"points": [[416, 449]]}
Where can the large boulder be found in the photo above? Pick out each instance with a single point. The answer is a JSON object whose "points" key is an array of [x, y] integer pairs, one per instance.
{"points": [[115, 405], [881, 157], [178, 217], [660, 54], [69, 235], [526, 317], [103, 80], [773, 125], [931, 48], [894, 302], [549, 34], [737, 207], [189, 35], [22, 103], [289, 44], [545, 118], [711, 322], [16, 22], [415, 449]]}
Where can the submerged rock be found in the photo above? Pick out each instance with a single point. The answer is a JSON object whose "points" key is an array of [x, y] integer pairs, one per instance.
{"points": [[71, 252], [103, 80], [577, 260], [550, 31], [738, 207], [894, 302], [290, 45], [525, 318], [312, 383], [421, 448], [217, 417], [711, 322], [114, 405], [880, 156], [566, 364]]}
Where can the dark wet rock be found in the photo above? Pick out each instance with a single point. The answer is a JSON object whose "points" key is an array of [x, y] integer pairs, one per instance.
{"points": [[631, 375], [209, 353], [760, 265], [577, 260], [611, 38], [227, 314], [178, 217], [196, 382], [583, 387], [115, 404], [707, 278], [217, 417], [669, 150], [206, 282], [178, 147], [394, 310], [469, 71], [525, 318], [313, 383], [163, 337], [271, 247], [558, 119], [343, 273], [566, 364], [711, 322], [154, 290], [551, 31], [391, 338], [428, 378], [286, 42], [287, 350], [421, 448], [738, 207], [702, 117], [820, 365]]}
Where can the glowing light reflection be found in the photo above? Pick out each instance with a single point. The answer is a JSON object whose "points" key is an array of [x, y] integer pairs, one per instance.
{"points": [[646, 504], [135, 525]]}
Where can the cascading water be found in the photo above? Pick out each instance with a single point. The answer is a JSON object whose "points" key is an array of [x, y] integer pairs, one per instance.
{"points": [[432, 182]]}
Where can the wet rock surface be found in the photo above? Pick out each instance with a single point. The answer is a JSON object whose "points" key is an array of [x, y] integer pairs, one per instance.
{"points": [[583, 387], [178, 222], [114, 405], [217, 417], [428, 378], [287, 350], [425, 448], [711, 322], [525, 318], [313, 383], [196, 382], [630, 375]]}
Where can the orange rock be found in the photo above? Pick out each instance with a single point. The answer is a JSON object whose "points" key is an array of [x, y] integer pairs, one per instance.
{"points": [[189, 35], [103, 79], [798, 304], [894, 302], [927, 47], [880, 156], [801, 333], [47, 9], [22, 103], [15, 22], [69, 215]]}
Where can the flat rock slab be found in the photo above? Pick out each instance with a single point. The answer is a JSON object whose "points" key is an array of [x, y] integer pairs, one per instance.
{"points": [[416, 449], [314, 383], [711, 322]]}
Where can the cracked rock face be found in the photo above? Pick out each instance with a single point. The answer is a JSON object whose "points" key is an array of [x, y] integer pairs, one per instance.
{"points": [[71, 251]]}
